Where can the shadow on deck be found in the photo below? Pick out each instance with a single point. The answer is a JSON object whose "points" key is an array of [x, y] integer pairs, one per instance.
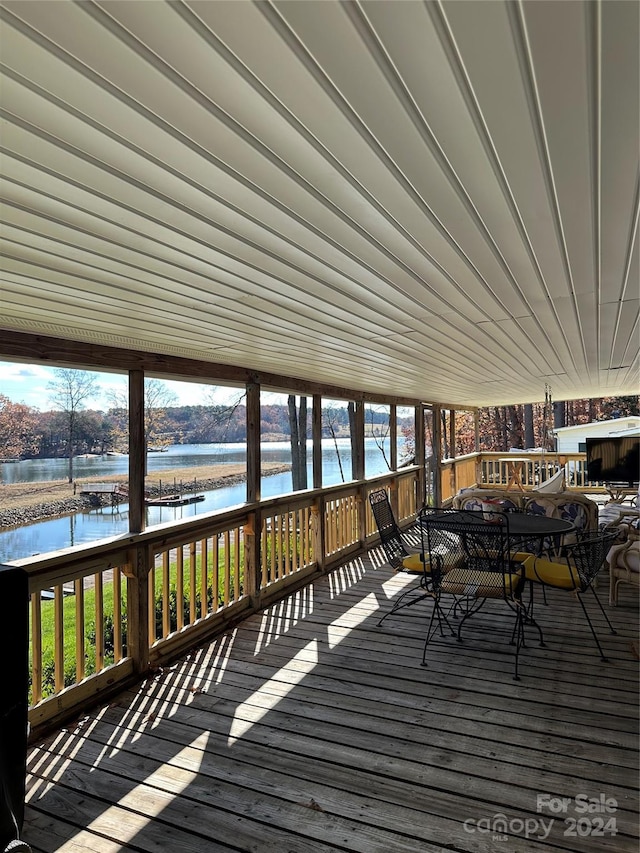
{"points": [[308, 729]]}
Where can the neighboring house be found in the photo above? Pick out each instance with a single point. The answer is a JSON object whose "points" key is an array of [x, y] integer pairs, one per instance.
{"points": [[573, 439]]}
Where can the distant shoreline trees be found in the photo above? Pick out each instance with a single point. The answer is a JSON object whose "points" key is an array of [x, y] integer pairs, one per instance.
{"points": [[26, 432], [531, 425]]}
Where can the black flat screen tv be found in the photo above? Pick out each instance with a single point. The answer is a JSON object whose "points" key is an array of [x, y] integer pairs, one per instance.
{"points": [[614, 459]]}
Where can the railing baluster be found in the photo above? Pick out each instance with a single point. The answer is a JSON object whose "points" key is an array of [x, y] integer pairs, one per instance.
{"points": [[236, 565], [227, 568], [192, 582], [287, 543], [58, 638], [215, 573], [99, 614], [152, 605], [80, 628], [166, 613], [179, 588], [36, 647], [117, 614], [204, 585]]}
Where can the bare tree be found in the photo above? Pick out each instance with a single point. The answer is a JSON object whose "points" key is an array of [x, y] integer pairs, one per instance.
{"points": [[157, 399], [529, 440], [379, 430], [516, 429], [298, 438], [222, 414], [329, 418], [445, 440], [69, 391]]}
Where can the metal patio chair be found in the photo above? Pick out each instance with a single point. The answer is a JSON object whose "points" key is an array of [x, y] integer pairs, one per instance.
{"points": [[471, 561], [400, 553], [576, 572]]}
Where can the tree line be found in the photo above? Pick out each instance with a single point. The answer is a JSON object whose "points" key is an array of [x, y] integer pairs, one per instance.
{"points": [[530, 425], [71, 428]]}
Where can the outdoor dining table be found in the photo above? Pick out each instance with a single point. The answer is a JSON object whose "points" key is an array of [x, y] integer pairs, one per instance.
{"points": [[527, 527], [531, 526], [536, 533]]}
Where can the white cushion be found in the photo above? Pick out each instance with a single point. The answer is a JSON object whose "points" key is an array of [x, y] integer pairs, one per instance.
{"points": [[554, 484], [625, 556]]}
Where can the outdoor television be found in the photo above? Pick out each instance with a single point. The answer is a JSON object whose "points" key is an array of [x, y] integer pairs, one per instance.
{"points": [[613, 459]]}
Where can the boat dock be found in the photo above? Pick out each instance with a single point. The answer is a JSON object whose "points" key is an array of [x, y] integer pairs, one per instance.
{"points": [[117, 491], [103, 489], [173, 500]]}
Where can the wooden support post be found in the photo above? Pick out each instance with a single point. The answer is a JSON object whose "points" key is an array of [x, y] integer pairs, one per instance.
{"points": [[476, 437], [421, 487], [253, 442], [316, 434], [452, 433], [358, 469], [137, 573], [452, 449], [393, 436], [252, 570], [437, 453], [357, 442], [318, 532], [137, 454]]}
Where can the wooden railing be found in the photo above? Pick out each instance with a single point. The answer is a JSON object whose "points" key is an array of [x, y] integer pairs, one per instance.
{"points": [[78, 627], [487, 469], [104, 615], [459, 473], [538, 468]]}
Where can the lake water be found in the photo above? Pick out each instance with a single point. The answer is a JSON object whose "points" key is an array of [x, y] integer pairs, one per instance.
{"points": [[85, 527]]}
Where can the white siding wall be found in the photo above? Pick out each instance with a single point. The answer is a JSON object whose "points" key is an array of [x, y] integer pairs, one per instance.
{"points": [[569, 438]]}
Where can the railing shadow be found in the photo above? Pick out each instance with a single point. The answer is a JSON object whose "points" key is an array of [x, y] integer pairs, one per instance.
{"points": [[255, 740]]}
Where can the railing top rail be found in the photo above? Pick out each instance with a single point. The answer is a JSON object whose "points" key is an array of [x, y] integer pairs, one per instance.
{"points": [[462, 457], [93, 556]]}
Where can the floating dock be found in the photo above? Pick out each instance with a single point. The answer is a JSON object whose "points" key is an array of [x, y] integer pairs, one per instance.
{"points": [[173, 500]]}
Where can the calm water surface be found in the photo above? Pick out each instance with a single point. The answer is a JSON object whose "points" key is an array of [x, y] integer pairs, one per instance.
{"points": [[85, 527]]}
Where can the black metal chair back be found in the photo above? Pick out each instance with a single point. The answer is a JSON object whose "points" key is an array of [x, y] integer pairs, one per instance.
{"points": [[390, 535], [588, 554]]}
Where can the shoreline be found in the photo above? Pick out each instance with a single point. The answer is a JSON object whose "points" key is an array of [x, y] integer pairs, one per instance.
{"points": [[22, 504]]}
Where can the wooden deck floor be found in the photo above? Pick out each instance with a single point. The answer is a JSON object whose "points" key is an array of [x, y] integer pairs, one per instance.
{"points": [[308, 729]]}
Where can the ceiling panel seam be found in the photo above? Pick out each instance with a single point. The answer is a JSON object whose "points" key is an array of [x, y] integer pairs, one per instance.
{"points": [[520, 29], [466, 87]]}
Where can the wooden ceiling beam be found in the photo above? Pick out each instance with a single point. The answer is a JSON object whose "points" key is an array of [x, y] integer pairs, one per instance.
{"points": [[58, 352]]}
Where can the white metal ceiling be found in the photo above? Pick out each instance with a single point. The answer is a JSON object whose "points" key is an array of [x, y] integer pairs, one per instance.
{"points": [[436, 200]]}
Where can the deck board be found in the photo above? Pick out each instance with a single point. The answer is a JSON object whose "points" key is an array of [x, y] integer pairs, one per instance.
{"points": [[309, 729]]}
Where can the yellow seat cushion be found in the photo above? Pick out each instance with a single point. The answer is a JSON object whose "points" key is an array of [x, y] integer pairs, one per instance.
{"points": [[553, 574], [521, 556], [480, 584], [415, 563]]}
